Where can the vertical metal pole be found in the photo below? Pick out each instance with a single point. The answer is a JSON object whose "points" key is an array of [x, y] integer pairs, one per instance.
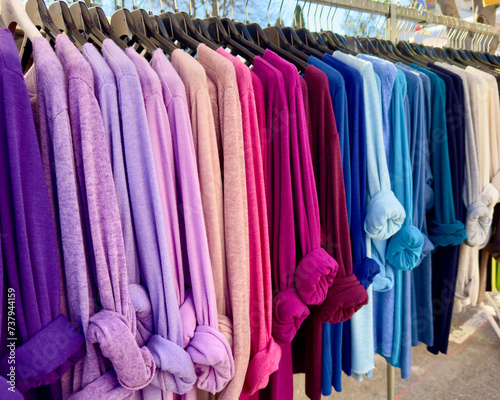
{"points": [[390, 382]]}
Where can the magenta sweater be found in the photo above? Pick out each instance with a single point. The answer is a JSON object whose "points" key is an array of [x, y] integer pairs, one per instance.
{"points": [[265, 353]]}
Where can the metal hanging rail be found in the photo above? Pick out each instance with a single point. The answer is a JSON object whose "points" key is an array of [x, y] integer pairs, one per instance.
{"points": [[398, 12]]}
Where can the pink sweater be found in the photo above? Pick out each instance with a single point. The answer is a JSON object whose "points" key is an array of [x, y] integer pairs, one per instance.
{"points": [[237, 292], [265, 353]]}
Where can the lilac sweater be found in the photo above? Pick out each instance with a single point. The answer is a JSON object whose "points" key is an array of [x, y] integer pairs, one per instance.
{"points": [[208, 348], [106, 93], [114, 327], [56, 149], [154, 260]]}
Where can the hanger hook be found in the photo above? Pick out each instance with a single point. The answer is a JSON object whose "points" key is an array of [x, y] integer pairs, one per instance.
{"points": [[489, 43], [369, 19], [279, 15], [268, 19], [333, 16], [295, 22], [315, 19], [320, 17], [358, 24], [308, 10], [346, 18]]}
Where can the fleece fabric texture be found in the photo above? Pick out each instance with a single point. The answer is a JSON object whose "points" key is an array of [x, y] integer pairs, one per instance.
{"points": [[339, 97], [281, 232], [325, 150], [209, 172], [480, 213], [316, 269], [56, 149], [421, 290], [336, 338], [107, 96], [265, 352], [154, 259], [222, 75], [444, 223], [113, 328], [28, 242], [208, 347], [384, 215]]}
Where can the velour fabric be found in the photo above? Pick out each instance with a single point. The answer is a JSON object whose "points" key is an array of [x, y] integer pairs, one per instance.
{"points": [[56, 149], [154, 259], [280, 211], [106, 94], [30, 263], [222, 75], [265, 353], [100, 210], [217, 368]]}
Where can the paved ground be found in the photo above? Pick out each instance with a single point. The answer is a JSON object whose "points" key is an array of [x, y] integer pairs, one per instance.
{"points": [[470, 370]]}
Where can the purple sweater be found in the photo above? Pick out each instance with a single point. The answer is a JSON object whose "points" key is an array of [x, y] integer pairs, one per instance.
{"points": [[28, 239], [106, 93], [114, 327]]}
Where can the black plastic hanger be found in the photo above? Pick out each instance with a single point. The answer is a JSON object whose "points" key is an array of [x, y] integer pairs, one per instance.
{"points": [[92, 32], [61, 15], [244, 31], [99, 17], [309, 39], [296, 42], [124, 26], [260, 38], [221, 37], [276, 36], [143, 20], [187, 23], [176, 32], [236, 35]]}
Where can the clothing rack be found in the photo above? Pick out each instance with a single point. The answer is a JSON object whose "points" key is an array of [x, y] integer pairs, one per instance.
{"points": [[395, 13]]}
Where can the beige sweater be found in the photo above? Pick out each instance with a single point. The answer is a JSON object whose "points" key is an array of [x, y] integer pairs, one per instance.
{"points": [[223, 86]]}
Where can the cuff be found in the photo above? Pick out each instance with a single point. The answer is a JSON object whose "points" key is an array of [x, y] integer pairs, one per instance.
{"points": [[405, 248], [479, 217], [447, 234], [143, 313], [289, 311], [45, 357], [384, 215], [134, 366], [9, 391], [188, 318], [175, 370], [314, 275], [345, 297], [105, 387], [212, 358], [366, 271], [260, 367]]}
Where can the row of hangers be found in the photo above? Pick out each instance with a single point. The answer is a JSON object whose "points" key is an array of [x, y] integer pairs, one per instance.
{"points": [[172, 30]]}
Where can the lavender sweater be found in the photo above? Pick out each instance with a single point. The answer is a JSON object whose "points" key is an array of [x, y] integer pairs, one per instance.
{"points": [[114, 327], [175, 371]]}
